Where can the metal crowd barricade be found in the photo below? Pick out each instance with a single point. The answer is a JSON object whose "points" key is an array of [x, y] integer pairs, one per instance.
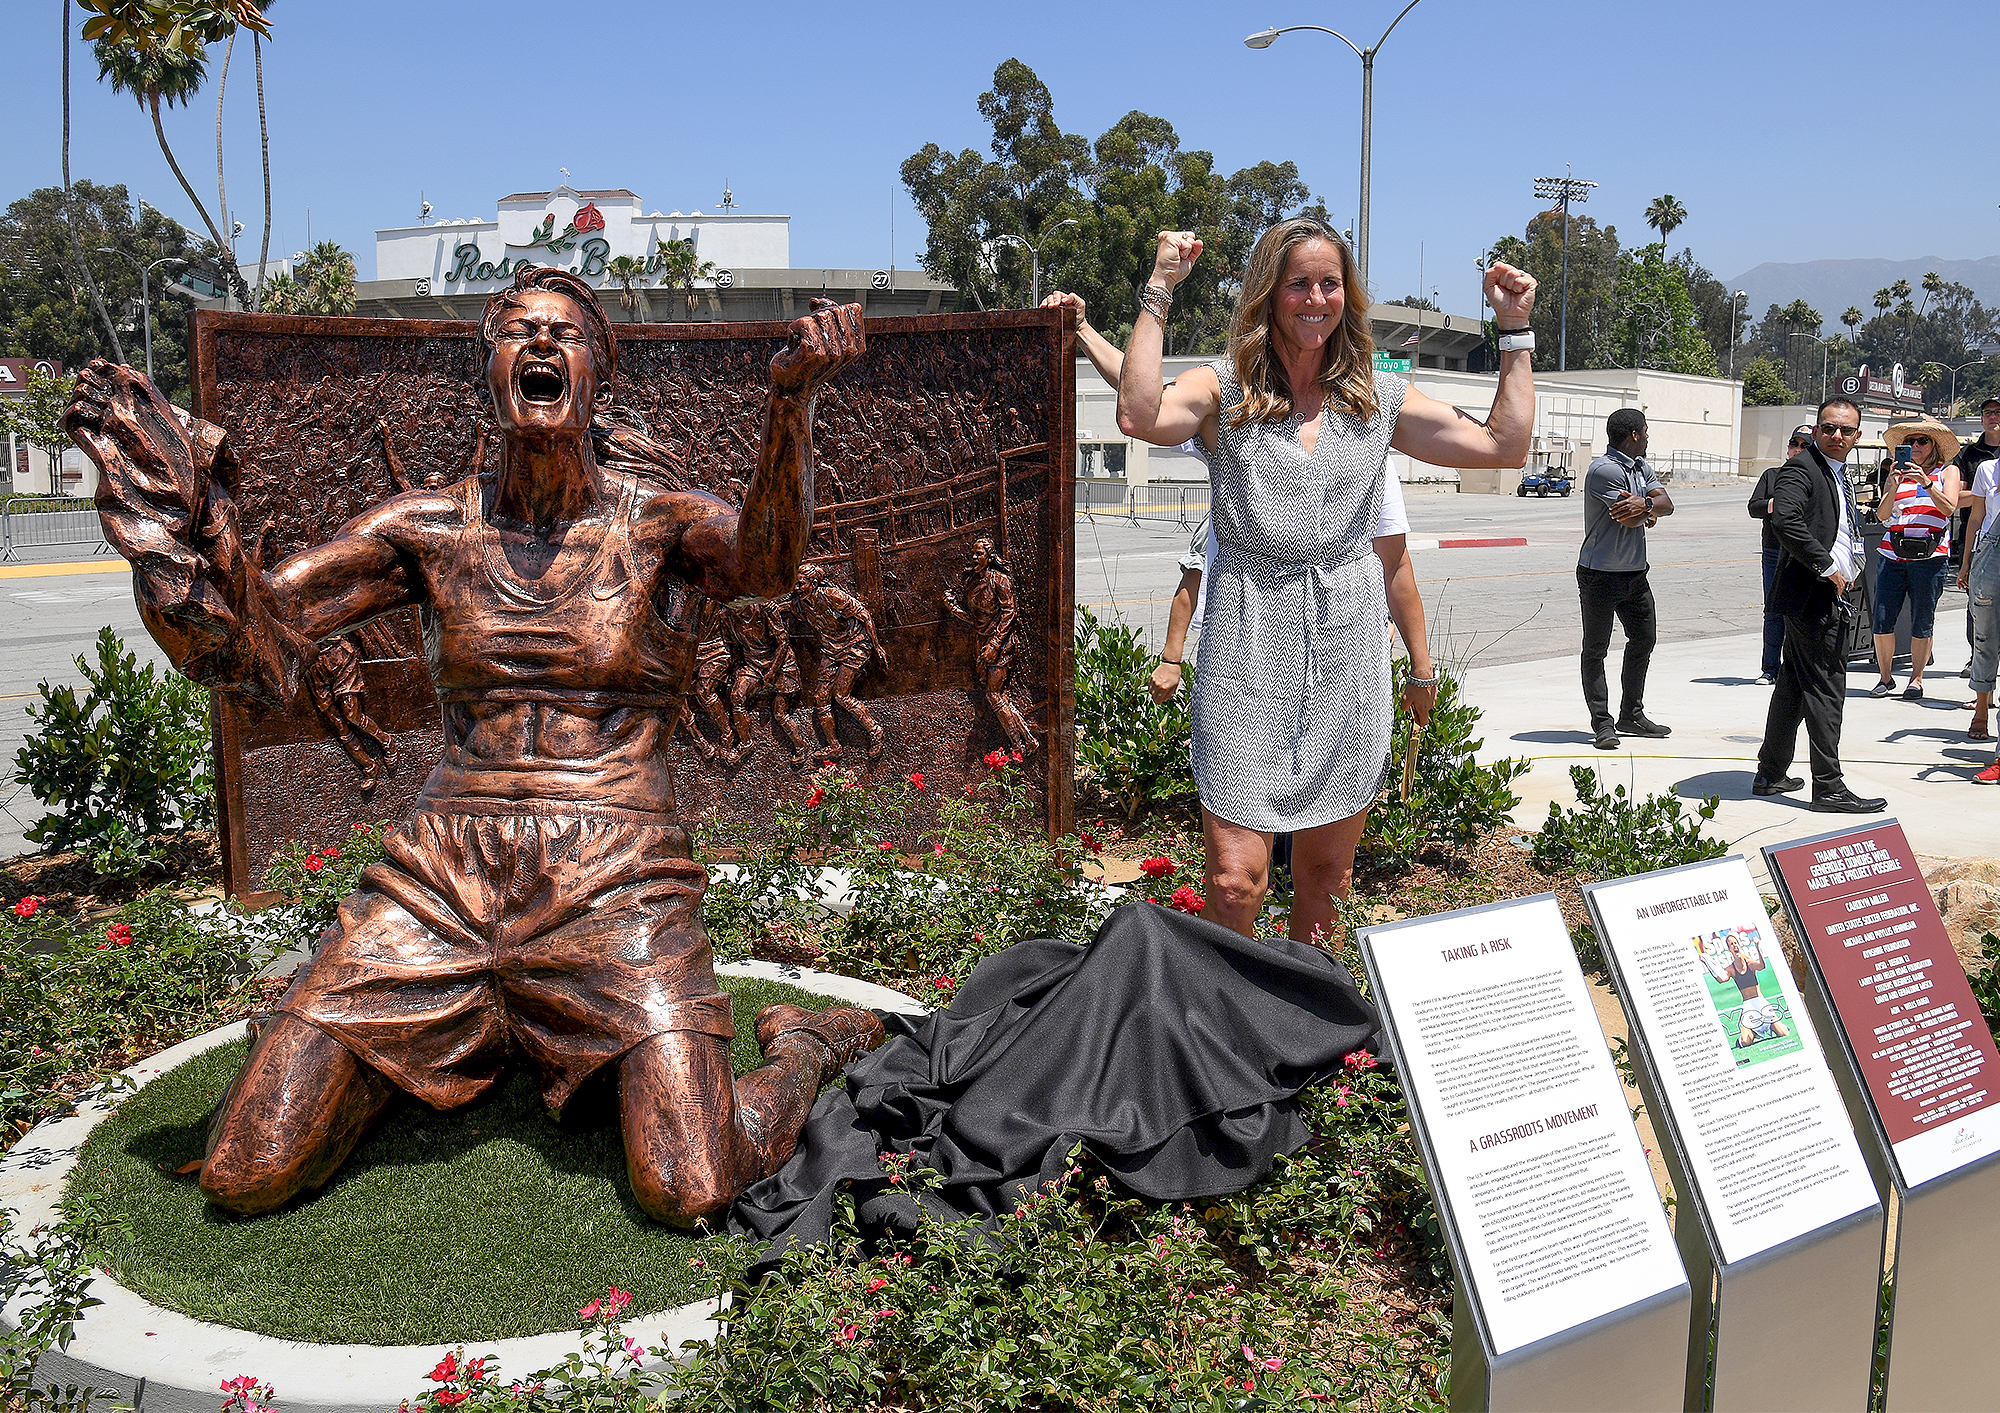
{"points": [[39, 522], [1185, 503], [1695, 467]]}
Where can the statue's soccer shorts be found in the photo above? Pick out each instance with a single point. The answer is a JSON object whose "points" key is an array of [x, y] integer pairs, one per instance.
{"points": [[487, 930]]}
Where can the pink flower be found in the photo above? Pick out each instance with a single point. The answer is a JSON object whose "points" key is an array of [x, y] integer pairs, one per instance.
{"points": [[616, 1301], [1271, 1365], [917, 779], [1158, 866], [1341, 1097], [314, 863], [633, 1351], [877, 1284], [589, 1312], [119, 934], [937, 848], [1358, 1060], [1186, 899], [846, 1333], [883, 1314], [27, 906]]}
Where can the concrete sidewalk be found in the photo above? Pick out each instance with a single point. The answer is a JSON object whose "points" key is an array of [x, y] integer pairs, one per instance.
{"points": [[1914, 753]]}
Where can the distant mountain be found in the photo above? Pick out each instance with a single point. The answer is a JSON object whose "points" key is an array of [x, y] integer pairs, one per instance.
{"points": [[1831, 285]]}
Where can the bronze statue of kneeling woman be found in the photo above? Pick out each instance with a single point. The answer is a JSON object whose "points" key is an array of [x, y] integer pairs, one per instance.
{"points": [[541, 899]]}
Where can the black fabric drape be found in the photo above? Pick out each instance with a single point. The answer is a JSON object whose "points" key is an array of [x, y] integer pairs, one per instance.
{"points": [[1170, 1047]]}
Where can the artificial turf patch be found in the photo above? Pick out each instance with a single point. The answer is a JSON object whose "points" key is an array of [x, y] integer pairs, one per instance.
{"points": [[486, 1222]]}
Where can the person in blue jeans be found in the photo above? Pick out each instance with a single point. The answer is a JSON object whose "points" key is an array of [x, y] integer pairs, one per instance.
{"points": [[1762, 502], [1918, 504]]}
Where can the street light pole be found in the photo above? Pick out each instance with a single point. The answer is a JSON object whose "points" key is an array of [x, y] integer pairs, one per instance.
{"points": [[1035, 253], [1263, 39], [145, 292], [1954, 380], [1564, 189], [1740, 294], [1825, 352]]}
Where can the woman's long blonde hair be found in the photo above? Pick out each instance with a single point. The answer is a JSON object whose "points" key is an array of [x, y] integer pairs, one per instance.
{"points": [[1347, 376]]}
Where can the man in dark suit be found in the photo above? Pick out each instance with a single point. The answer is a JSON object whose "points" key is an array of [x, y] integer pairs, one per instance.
{"points": [[1819, 543]]}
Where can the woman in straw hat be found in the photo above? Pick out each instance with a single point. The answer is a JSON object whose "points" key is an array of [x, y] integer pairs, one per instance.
{"points": [[1918, 502]]}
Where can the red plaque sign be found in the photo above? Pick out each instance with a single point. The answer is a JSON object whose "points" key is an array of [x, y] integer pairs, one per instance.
{"points": [[1926, 1059]]}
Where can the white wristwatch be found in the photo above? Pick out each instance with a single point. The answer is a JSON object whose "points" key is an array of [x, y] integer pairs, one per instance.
{"points": [[1520, 341]]}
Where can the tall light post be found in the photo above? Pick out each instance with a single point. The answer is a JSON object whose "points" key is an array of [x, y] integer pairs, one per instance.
{"points": [[1740, 294], [1954, 379], [1825, 353], [145, 291], [1034, 250], [1263, 39], [1564, 190]]}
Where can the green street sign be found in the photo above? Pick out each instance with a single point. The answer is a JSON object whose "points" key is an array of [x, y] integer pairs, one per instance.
{"points": [[1389, 363]]}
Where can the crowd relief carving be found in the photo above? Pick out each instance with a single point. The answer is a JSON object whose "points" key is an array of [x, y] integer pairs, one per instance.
{"points": [[928, 627]]}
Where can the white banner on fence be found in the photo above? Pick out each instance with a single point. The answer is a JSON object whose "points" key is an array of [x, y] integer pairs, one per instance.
{"points": [[1553, 1204], [1759, 1116]]}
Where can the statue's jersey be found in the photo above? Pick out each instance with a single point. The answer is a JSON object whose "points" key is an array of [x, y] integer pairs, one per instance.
{"points": [[563, 692]]}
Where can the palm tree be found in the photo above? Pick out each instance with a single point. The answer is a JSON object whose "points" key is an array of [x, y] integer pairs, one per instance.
{"points": [[154, 72], [628, 270], [1664, 214], [1883, 299], [1851, 318], [69, 216], [680, 268], [327, 272]]}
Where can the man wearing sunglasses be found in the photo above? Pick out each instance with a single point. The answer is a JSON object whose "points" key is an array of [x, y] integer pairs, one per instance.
{"points": [[1819, 544]]}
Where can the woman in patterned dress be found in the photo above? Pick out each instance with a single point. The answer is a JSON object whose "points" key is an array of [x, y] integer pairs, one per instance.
{"points": [[1292, 708]]}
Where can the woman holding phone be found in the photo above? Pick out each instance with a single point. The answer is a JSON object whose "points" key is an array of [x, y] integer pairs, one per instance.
{"points": [[1292, 708], [1919, 498]]}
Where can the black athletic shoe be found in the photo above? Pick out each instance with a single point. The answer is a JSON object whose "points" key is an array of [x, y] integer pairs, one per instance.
{"points": [[1607, 738], [1847, 802], [1761, 786], [1642, 725]]}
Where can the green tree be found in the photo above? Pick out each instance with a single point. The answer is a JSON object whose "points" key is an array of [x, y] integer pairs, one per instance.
{"points": [[630, 272], [35, 415], [1656, 322], [321, 282], [1764, 384], [680, 267], [45, 304], [1593, 280], [1664, 214]]}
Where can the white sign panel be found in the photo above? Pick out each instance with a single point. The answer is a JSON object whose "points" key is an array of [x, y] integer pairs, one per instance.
{"points": [[1504, 1065], [1758, 1114]]}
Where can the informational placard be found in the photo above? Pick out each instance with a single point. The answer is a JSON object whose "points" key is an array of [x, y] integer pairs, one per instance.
{"points": [[1751, 1103], [1922, 1051], [1530, 1144]]}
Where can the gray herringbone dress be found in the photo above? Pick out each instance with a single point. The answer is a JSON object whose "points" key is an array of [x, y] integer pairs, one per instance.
{"points": [[1292, 698]]}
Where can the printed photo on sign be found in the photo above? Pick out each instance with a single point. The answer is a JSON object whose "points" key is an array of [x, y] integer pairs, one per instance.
{"points": [[1756, 1017]]}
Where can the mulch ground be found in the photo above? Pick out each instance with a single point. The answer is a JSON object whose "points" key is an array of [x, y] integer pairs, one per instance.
{"points": [[70, 887]]}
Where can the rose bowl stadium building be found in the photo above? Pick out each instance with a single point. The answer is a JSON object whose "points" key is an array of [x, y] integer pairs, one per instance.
{"points": [[446, 269]]}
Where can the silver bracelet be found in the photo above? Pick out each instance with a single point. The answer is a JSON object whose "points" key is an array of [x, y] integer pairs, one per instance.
{"points": [[1156, 301], [1420, 681]]}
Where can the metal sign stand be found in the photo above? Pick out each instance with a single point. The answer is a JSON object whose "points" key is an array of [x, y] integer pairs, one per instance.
{"points": [[1630, 1358], [1790, 1327], [1944, 1270]]}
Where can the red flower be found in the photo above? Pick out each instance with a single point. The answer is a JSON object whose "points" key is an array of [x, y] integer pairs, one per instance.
{"points": [[885, 846], [1158, 866], [996, 760], [447, 1369], [944, 983], [846, 1333], [119, 934], [877, 1284], [26, 907], [1358, 1060], [979, 937], [917, 779], [937, 847], [1088, 840], [330, 852], [314, 863], [451, 1397], [1014, 756], [588, 218], [813, 800], [362, 828], [1186, 899]]}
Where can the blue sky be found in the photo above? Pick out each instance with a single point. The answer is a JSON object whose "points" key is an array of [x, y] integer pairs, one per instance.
{"points": [[1742, 110]]}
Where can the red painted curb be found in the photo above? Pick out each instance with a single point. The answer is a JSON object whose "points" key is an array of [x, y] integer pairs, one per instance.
{"points": [[1503, 543]]}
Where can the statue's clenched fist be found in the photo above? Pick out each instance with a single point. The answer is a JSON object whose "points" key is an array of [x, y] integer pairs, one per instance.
{"points": [[822, 343], [139, 440]]}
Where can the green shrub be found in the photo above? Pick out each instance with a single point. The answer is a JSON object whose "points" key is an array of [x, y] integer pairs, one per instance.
{"points": [[127, 762], [1610, 836], [315, 878], [1453, 799], [79, 1000], [1135, 749], [50, 1271], [1986, 981]]}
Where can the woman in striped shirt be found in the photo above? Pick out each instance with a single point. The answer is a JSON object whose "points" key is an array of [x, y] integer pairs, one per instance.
{"points": [[1920, 497]]}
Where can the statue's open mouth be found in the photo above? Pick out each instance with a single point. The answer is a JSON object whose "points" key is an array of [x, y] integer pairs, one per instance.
{"points": [[541, 383]]}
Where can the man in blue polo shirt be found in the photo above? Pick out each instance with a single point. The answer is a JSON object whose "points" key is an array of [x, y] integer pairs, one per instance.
{"points": [[1622, 498]]}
